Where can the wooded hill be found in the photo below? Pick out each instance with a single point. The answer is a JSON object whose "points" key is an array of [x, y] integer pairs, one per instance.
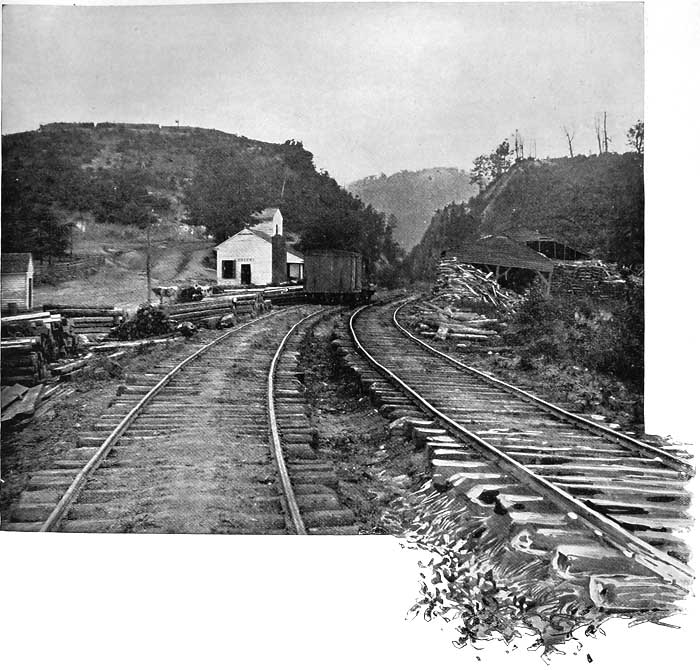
{"points": [[413, 197], [136, 174], [594, 203]]}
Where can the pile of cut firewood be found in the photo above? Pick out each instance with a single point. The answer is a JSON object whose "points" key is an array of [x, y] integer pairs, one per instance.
{"points": [[465, 286]]}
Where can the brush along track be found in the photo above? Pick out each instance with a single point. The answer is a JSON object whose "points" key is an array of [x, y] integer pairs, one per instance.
{"points": [[193, 453], [571, 482]]}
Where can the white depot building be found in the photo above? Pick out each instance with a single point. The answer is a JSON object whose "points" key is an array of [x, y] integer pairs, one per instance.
{"points": [[258, 254]]}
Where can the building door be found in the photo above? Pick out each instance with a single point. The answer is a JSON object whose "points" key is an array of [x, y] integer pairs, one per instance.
{"points": [[245, 273], [30, 297]]}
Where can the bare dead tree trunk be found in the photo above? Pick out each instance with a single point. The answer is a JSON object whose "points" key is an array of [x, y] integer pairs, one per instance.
{"points": [[569, 139], [597, 134], [606, 139], [519, 148]]}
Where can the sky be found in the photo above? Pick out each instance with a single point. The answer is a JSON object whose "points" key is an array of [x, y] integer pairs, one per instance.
{"points": [[367, 87]]}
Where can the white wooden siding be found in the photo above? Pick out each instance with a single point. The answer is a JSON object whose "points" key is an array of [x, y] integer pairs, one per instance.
{"points": [[15, 288], [245, 247]]}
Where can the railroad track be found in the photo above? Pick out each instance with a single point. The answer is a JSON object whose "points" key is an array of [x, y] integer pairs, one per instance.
{"points": [[576, 483], [220, 443]]}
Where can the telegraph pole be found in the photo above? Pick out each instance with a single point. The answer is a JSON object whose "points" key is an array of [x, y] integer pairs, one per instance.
{"points": [[148, 261]]}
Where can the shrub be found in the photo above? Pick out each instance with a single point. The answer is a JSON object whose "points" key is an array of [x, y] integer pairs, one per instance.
{"points": [[604, 336], [147, 321]]}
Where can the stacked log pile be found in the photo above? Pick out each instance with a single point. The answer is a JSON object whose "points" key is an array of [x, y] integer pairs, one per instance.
{"points": [[93, 321], [211, 311], [432, 321], [249, 304], [285, 295], [463, 285], [593, 278], [30, 342], [468, 306]]}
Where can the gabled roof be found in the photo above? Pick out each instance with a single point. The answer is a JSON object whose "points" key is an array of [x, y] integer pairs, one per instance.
{"points": [[266, 215], [262, 236], [501, 250], [15, 263], [527, 235]]}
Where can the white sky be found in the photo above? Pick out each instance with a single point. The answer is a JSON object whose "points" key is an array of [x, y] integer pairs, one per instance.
{"points": [[368, 87]]}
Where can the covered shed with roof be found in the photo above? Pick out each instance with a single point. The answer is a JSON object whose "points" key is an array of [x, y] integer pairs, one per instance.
{"points": [[17, 279], [512, 263], [545, 244], [259, 254]]}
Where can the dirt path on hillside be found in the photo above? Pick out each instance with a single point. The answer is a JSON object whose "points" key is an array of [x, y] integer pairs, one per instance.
{"points": [[122, 280]]}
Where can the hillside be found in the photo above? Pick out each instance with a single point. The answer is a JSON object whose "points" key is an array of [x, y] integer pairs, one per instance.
{"points": [[413, 197], [594, 203], [136, 175]]}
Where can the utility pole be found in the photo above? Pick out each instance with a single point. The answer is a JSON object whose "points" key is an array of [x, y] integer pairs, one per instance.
{"points": [[148, 261]]}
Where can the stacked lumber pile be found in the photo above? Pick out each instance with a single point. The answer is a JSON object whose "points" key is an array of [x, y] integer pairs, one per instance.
{"points": [[93, 321], [30, 342], [462, 285], [446, 323], [204, 312], [211, 311], [250, 304], [593, 278], [468, 306], [285, 295]]}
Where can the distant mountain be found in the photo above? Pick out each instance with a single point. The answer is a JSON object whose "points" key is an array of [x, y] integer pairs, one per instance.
{"points": [[413, 197]]}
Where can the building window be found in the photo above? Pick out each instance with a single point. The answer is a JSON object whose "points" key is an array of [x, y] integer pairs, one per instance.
{"points": [[228, 269]]}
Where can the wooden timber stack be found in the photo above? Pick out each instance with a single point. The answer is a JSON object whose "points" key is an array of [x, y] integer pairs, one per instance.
{"points": [[467, 306], [94, 321], [593, 278], [285, 295], [210, 311], [30, 342], [463, 285], [431, 321]]}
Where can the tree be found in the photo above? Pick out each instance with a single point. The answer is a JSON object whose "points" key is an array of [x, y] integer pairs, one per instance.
{"points": [[597, 134], [519, 146], [569, 139], [488, 168], [635, 137], [225, 191], [481, 172]]}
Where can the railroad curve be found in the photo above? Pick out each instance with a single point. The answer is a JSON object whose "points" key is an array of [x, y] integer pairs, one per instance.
{"points": [[492, 439]]}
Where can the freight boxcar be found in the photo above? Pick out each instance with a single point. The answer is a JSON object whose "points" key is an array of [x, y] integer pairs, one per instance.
{"points": [[336, 277]]}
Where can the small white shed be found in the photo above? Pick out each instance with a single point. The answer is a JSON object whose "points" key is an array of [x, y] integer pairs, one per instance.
{"points": [[17, 281]]}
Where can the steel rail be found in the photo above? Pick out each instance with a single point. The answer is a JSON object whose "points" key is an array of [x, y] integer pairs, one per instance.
{"points": [[631, 546], [103, 450], [671, 460], [289, 496]]}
